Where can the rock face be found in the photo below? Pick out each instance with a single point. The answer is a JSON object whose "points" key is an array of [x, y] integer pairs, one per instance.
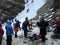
{"points": [[55, 4], [45, 8], [10, 8]]}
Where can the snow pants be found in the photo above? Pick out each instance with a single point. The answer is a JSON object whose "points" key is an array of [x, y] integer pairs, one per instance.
{"points": [[1, 39], [16, 35], [25, 33], [9, 40], [43, 38]]}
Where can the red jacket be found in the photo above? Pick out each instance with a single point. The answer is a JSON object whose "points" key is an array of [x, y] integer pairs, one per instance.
{"points": [[1, 31], [57, 22], [15, 27]]}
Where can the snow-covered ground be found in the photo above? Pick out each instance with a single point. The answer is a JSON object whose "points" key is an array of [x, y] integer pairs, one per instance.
{"points": [[19, 41]]}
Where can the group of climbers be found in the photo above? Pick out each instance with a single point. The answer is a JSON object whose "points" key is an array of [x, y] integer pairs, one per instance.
{"points": [[27, 24], [42, 24], [11, 29]]}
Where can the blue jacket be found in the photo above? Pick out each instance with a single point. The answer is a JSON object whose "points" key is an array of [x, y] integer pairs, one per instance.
{"points": [[9, 30]]}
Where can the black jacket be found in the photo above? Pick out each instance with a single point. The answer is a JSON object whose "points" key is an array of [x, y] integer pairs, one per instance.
{"points": [[42, 25], [18, 24], [25, 24]]}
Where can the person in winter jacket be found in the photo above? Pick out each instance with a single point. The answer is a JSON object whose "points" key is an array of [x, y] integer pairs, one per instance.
{"points": [[18, 24], [30, 24], [9, 32], [15, 27], [24, 27], [57, 22], [42, 24], [1, 33]]}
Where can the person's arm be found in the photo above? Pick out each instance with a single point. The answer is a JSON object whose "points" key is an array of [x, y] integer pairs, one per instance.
{"points": [[38, 24], [47, 23], [19, 22], [12, 30]]}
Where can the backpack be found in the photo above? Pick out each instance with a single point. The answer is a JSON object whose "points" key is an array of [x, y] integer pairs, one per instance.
{"points": [[33, 37], [18, 24], [30, 21], [15, 27]]}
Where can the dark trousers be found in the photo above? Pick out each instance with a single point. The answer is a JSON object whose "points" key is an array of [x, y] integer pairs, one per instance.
{"points": [[1, 39], [58, 29], [25, 33], [9, 40], [16, 35], [43, 38]]}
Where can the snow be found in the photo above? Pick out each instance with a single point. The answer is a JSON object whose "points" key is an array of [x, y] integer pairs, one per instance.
{"points": [[4, 36], [33, 8]]}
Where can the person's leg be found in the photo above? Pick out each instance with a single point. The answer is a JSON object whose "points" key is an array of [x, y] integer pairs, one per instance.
{"points": [[0, 43], [1, 39], [16, 35], [7, 41], [25, 34], [43, 38], [10, 40]]}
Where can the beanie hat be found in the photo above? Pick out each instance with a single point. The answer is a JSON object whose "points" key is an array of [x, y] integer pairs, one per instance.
{"points": [[26, 18]]}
